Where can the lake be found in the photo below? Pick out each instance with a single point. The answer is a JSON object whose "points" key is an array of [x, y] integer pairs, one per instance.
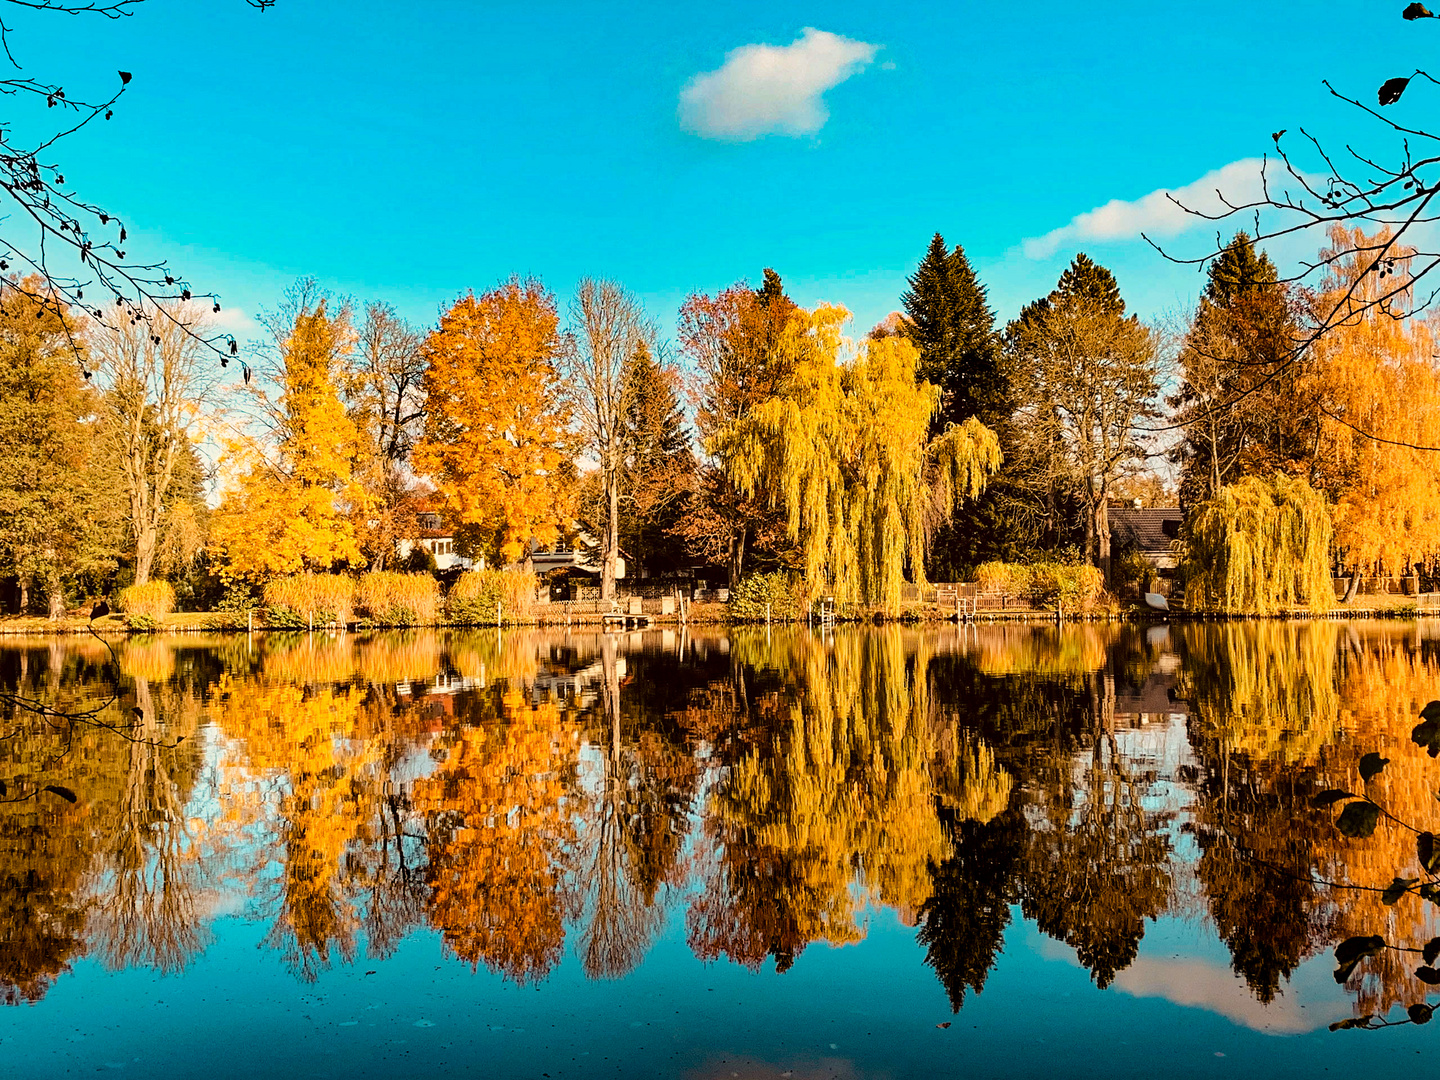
{"points": [[981, 851]]}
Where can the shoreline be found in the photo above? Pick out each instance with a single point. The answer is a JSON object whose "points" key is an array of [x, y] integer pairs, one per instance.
{"points": [[712, 615]]}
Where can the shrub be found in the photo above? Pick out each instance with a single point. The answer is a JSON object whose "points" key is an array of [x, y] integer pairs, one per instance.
{"points": [[153, 599], [298, 601], [1012, 578], [1132, 571], [476, 593], [239, 597], [782, 594], [141, 622], [1076, 587], [386, 599]]}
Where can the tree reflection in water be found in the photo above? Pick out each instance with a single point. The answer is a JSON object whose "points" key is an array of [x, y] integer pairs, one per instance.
{"points": [[521, 792]]}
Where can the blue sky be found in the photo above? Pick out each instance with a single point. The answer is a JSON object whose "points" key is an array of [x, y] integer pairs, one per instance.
{"points": [[409, 152]]}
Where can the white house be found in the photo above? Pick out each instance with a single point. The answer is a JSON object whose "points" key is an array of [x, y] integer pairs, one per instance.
{"points": [[439, 541]]}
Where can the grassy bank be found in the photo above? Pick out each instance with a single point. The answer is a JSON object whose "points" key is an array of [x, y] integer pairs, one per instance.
{"points": [[590, 614]]}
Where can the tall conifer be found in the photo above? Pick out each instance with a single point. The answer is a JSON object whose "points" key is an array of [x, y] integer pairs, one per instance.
{"points": [[949, 319]]}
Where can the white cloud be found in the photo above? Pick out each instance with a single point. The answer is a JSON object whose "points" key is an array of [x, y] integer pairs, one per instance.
{"points": [[772, 89], [1156, 214]]}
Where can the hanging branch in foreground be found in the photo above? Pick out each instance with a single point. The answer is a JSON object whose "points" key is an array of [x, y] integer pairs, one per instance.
{"points": [[1390, 196], [70, 243], [68, 719], [1358, 818]]}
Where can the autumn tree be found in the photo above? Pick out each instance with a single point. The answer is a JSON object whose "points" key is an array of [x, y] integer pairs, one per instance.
{"points": [[732, 342], [496, 442], [1097, 860], [1374, 372], [58, 516], [494, 812], [387, 405], [293, 509], [1084, 376], [1258, 547], [608, 328], [844, 450], [158, 389]]}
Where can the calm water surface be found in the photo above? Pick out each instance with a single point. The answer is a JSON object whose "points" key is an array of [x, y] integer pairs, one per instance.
{"points": [[992, 851]]}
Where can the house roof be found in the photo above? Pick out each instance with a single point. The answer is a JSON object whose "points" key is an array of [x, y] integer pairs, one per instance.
{"points": [[1150, 528]]}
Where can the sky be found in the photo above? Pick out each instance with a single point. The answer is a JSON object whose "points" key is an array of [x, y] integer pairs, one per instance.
{"points": [[411, 152]]}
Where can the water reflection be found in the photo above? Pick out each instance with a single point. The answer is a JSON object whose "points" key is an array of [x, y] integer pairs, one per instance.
{"points": [[527, 794]]}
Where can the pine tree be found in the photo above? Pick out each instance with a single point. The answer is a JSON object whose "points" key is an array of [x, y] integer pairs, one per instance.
{"points": [[658, 465], [1238, 400], [949, 319], [1085, 279]]}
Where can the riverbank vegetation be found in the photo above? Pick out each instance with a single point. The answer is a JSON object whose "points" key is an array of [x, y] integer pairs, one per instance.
{"points": [[762, 448]]}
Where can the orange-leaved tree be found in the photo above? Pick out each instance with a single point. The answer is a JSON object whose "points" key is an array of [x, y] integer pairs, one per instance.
{"points": [[496, 442], [1374, 372], [292, 508]]}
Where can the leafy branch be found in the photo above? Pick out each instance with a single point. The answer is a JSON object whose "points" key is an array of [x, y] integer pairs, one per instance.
{"points": [[54, 227], [1358, 819]]}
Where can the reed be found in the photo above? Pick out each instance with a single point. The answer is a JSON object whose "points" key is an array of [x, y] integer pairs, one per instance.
{"points": [[475, 598], [154, 598], [302, 600], [386, 599]]}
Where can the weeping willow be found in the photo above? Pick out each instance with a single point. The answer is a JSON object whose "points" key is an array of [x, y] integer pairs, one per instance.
{"points": [[1258, 547], [1267, 691], [844, 450]]}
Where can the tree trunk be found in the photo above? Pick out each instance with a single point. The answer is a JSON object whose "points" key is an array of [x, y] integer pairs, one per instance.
{"points": [[24, 594], [737, 556], [1102, 535], [56, 597], [145, 544], [610, 542], [1352, 587], [1091, 556]]}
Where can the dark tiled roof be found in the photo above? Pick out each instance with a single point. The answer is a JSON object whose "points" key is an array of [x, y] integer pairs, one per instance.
{"points": [[1150, 529]]}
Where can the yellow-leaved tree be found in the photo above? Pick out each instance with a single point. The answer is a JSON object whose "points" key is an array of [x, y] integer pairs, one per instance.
{"points": [[496, 442], [1374, 372], [291, 508], [844, 447]]}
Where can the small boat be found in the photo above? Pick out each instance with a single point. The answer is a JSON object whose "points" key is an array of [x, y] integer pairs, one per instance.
{"points": [[1156, 602]]}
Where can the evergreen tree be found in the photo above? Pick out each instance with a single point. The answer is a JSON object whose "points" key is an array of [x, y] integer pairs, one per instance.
{"points": [[1085, 279], [950, 322], [658, 466], [962, 925], [1239, 401]]}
